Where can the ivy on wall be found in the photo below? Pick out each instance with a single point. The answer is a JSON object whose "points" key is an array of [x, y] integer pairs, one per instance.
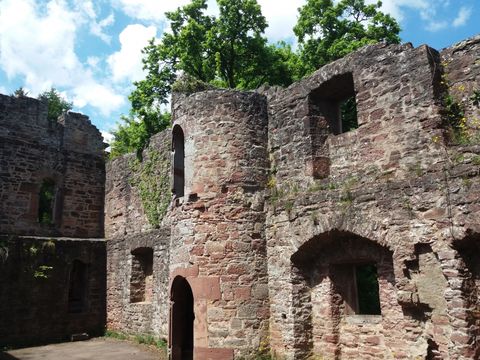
{"points": [[152, 181]]}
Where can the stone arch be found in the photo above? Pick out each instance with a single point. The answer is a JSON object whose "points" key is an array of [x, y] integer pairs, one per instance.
{"points": [[178, 149], [469, 274], [326, 289], [181, 319]]}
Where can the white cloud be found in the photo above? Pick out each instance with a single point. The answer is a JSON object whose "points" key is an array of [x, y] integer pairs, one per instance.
{"points": [[148, 9], [126, 64], [88, 15], [429, 11], [107, 137], [97, 28], [436, 25], [3, 90], [37, 44], [281, 18], [462, 17], [93, 61]]}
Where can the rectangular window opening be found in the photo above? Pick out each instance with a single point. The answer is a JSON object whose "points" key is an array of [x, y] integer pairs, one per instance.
{"points": [[367, 290], [141, 279], [357, 284], [348, 114], [335, 102]]}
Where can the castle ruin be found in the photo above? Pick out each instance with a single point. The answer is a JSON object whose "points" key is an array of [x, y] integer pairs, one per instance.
{"points": [[287, 230]]}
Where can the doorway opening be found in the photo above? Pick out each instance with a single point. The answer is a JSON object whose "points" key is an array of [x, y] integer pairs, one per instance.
{"points": [[181, 320]]}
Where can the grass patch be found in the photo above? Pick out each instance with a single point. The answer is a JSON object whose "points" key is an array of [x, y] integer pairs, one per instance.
{"points": [[144, 339]]}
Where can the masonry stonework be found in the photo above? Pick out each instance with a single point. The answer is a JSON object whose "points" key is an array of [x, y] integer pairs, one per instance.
{"points": [[52, 273], [260, 221], [276, 208]]}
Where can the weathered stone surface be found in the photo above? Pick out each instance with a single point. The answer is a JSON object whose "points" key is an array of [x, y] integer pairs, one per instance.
{"points": [[32, 149], [50, 288], [279, 208], [36, 289]]}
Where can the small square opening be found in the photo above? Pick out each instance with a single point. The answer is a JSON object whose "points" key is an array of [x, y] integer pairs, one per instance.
{"points": [[335, 101]]}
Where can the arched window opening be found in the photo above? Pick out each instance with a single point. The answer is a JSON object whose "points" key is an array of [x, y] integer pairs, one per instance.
{"points": [[141, 280], [46, 201], [178, 148], [335, 101], [77, 290]]}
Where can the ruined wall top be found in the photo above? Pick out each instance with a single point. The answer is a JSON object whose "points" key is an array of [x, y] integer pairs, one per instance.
{"points": [[26, 119], [53, 172]]}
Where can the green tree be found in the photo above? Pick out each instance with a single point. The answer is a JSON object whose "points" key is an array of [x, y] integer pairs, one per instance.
{"points": [[20, 92], [327, 31], [227, 51], [239, 45], [57, 105], [132, 134]]}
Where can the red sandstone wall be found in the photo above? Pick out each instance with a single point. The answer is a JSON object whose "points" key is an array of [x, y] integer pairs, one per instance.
{"points": [[218, 226], [127, 228], [35, 280], [69, 151], [394, 182]]}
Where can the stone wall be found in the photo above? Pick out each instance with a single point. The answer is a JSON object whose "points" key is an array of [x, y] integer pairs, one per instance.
{"points": [[44, 296], [395, 185], [125, 314], [276, 209], [68, 152], [218, 241], [128, 231], [461, 67]]}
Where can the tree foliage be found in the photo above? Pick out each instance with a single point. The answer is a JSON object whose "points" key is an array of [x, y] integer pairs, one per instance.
{"points": [[20, 92], [230, 50], [57, 105], [327, 31]]}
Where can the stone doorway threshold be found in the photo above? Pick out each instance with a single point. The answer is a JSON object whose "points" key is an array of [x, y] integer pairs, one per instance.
{"points": [[98, 349]]}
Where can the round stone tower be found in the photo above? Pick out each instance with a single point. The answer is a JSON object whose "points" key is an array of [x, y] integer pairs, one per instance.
{"points": [[218, 268]]}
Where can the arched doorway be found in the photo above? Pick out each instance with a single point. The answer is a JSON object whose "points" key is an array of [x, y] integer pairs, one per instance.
{"points": [[181, 320]]}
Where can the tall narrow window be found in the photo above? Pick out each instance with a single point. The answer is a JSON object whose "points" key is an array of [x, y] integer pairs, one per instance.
{"points": [[334, 100], [77, 290], [141, 280], [46, 200], [367, 289], [178, 148]]}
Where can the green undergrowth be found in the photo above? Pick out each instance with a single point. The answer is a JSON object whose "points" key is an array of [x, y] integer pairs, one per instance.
{"points": [[144, 339]]}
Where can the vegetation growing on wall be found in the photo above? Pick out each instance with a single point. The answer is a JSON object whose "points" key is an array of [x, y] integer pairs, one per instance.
{"points": [[456, 101], [151, 179]]}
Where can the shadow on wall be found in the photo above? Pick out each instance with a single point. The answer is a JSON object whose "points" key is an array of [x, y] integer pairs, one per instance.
{"points": [[7, 356], [351, 272]]}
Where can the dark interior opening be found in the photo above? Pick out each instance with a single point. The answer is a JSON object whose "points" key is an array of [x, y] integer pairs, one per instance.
{"points": [[141, 279], [181, 322], [46, 200], [335, 101], [77, 291], [178, 148], [367, 289]]}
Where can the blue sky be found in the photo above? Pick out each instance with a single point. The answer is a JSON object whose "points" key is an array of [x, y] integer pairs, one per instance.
{"points": [[90, 50]]}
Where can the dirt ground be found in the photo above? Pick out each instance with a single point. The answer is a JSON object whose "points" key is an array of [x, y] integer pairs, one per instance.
{"points": [[98, 349]]}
